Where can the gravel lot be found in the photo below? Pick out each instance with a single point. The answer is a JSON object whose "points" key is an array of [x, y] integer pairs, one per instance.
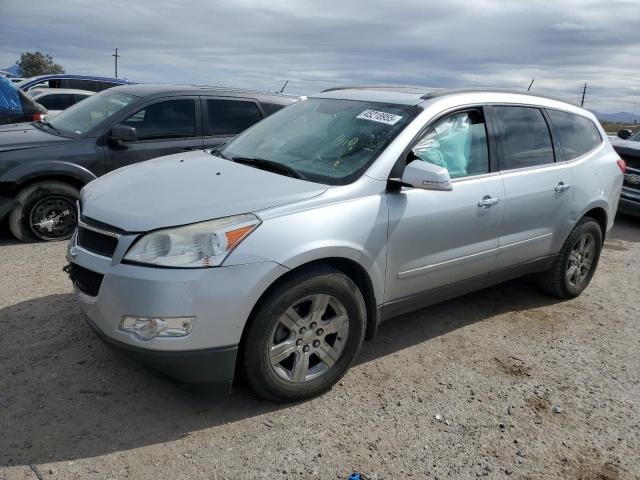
{"points": [[464, 389]]}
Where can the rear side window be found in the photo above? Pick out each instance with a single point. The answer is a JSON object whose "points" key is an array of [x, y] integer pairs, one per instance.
{"points": [[81, 84], [525, 137], [56, 102], [230, 117], [104, 85], [577, 135]]}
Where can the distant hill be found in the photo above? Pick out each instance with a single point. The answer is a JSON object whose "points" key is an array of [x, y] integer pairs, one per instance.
{"points": [[618, 117]]}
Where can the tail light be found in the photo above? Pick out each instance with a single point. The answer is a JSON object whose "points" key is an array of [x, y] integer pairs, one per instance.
{"points": [[37, 117], [622, 165]]}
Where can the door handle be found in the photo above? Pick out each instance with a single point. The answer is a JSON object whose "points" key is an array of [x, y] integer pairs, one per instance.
{"points": [[189, 149], [488, 202], [562, 187]]}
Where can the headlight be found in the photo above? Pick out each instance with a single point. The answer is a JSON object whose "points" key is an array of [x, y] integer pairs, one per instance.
{"points": [[204, 244]]}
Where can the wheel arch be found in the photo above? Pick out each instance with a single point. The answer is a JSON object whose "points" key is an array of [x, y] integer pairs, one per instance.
{"points": [[599, 214], [27, 174], [356, 272]]}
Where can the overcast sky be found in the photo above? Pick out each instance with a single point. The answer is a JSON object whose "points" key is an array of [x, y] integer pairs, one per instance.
{"points": [[315, 44]]}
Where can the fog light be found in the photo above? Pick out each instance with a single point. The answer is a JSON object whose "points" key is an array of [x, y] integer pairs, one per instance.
{"points": [[146, 328]]}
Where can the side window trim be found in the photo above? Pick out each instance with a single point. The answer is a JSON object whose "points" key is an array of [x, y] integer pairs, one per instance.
{"points": [[197, 128], [558, 154]]}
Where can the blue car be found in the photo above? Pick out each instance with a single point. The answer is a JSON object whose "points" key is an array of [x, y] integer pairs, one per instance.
{"points": [[78, 82]]}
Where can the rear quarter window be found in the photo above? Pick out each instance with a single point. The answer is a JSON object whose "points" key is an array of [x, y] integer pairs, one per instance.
{"points": [[577, 135]]}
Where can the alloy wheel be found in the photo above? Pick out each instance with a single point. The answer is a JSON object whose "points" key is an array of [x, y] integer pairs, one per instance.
{"points": [[309, 338], [581, 260]]}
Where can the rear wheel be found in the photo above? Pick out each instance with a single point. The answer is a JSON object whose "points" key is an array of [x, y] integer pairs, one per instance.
{"points": [[46, 211], [305, 335], [577, 261]]}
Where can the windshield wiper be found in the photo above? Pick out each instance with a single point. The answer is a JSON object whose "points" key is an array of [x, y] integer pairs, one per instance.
{"points": [[48, 124], [269, 165]]}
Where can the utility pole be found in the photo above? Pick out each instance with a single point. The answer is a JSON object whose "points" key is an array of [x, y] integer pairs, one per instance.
{"points": [[115, 55], [584, 92], [531, 84]]}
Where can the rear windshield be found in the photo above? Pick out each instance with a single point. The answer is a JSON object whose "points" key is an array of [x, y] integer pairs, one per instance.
{"points": [[325, 140]]}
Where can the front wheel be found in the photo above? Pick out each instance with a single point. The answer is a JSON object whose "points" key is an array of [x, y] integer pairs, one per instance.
{"points": [[46, 211], [576, 263], [305, 335]]}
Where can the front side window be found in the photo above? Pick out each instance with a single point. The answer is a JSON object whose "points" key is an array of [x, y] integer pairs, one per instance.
{"points": [[635, 137], [84, 116], [168, 119], [325, 140], [577, 135], [458, 143], [525, 137], [230, 117]]}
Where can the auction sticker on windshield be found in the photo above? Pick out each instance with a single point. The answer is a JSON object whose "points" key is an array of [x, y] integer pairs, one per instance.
{"points": [[381, 117]]}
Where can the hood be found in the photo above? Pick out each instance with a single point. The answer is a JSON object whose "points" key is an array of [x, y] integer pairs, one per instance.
{"points": [[18, 136], [187, 188]]}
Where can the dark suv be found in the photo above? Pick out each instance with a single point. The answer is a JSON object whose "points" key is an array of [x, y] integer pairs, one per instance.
{"points": [[43, 165]]}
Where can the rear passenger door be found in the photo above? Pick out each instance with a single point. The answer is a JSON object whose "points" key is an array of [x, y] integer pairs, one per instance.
{"points": [[163, 127], [538, 193], [224, 118]]}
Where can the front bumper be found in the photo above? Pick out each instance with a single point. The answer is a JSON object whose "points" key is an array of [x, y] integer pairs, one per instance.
{"points": [[220, 299], [213, 365], [629, 202]]}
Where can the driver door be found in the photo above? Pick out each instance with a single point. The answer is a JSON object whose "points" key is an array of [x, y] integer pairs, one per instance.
{"points": [[442, 238]]}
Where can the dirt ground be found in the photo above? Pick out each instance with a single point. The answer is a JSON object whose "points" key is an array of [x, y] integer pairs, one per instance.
{"points": [[503, 383]]}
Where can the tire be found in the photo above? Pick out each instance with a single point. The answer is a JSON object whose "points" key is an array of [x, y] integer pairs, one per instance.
{"points": [[279, 374], [571, 272], [43, 202]]}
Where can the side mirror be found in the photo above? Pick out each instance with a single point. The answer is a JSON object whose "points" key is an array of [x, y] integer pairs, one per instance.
{"points": [[624, 133], [123, 133], [427, 176]]}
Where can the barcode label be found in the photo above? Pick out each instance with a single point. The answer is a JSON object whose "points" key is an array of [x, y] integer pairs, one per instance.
{"points": [[381, 117]]}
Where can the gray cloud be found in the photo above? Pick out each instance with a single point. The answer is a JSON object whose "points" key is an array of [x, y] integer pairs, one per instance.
{"points": [[316, 44]]}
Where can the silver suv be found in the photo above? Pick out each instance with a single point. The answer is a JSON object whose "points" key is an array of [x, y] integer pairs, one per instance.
{"points": [[278, 254]]}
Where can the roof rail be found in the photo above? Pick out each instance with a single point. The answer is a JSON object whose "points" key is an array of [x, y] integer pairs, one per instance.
{"points": [[459, 91], [240, 90], [427, 93], [391, 88]]}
